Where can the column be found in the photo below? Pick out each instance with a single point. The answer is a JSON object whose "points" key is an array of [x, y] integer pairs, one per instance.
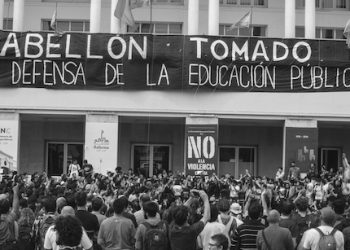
{"points": [[2, 4], [310, 12], [115, 22], [18, 13], [213, 17], [101, 142], [201, 143], [9, 140], [95, 16], [300, 144], [193, 17], [289, 19]]}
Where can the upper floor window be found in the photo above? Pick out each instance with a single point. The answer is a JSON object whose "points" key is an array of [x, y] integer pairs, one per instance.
{"points": [[158, 28], [68, 25], [261, 3], [326, 4], [67, 1], [8, 24], [322, 32], [180, 2], [224, 30]]}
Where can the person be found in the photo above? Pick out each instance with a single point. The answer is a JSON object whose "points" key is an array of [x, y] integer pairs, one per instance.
{"points": [[274, 237], [8, 223], [218, 242], [25, 225], [52, 242], [286, 221], [279, 174], [125, 213], [346, 166], [211, 228], [294, 172], [312, 173], [45, 221], [88, 220], [245, 235], [182, 235], [225, 218], [311, 238], [117, 232], [74, 169], [302, 218], [236, 212], [140, 215], [87, 169], [153, 222], [96, 205]]}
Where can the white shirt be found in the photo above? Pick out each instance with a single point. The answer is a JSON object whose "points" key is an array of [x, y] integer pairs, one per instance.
{"points": [[311, 238], [210, 229], [50, 240]]}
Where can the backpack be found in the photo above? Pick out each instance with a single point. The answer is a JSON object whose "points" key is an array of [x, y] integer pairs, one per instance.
{"points": [[327, 242], [41, 229], [156, 237], [24, 230]]}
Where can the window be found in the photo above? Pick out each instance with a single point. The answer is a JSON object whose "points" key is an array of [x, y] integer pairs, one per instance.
{"points": [[68, 25], [322, 32], [151, 159], [224, 30], [8, 23], [262, 3], [179, 2], [236, 160], [67, 1], [158, 28], [325, 4]]}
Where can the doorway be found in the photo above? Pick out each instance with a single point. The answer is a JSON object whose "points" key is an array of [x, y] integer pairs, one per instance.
{"points": [[60, 154], [235, 160], [330, 157], [150, 160]]}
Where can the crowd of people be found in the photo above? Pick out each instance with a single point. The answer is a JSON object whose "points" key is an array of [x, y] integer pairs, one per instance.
{"points": [[125, 210]]}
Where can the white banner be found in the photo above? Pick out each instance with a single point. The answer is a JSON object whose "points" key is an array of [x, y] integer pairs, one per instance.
{"points": [[101, 145], [8, 144]]}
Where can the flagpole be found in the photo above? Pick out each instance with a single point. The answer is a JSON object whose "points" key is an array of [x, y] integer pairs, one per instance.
{"points": [[56, 18], [150, 16], [251, 21]]}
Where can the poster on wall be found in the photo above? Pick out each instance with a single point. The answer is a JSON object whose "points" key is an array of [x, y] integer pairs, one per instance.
{"points": [[301, 147], [8, 144], [101, 141], [201, 149]]}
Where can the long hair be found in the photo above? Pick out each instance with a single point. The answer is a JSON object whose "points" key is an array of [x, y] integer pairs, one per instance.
{"points": [[27, 217]]}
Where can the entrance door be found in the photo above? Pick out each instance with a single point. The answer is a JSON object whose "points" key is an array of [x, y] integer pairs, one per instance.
{"points": [[150, 160], [331, 158], [61, 154], [235, 160]]}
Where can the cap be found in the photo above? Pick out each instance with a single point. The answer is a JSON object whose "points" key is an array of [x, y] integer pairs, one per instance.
{"points": [[236, 208], [177, 190]]}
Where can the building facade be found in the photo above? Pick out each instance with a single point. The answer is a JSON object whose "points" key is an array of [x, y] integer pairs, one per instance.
{"points": [[148, 130]]}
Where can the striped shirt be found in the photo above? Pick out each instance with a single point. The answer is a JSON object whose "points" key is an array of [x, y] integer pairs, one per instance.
{"points": [[245, 236]]}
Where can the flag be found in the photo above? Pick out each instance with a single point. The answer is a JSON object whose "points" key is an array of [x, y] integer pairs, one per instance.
{"points": [[123, 12], [53, 22], [243, 22], [346, 33]]}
